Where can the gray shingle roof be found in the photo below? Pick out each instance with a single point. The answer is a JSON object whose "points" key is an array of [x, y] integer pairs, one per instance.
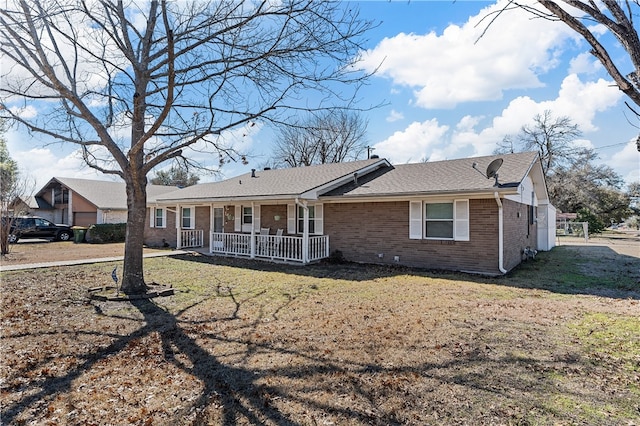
{"points": [[105, 194], [284, 183], [37, 203], [450, 176]]}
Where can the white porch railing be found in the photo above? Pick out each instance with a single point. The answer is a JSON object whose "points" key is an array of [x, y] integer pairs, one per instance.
{"points": [[274, 247], [191, 238]]}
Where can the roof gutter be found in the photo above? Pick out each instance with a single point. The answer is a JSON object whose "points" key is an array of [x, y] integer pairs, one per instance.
{"points": [[500, 234]]}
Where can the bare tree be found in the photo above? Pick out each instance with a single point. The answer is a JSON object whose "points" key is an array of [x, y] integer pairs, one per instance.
{"points": [[551, 137], [137, 83], [582, 184], [331, 137], [14, 188], [616, 16]]}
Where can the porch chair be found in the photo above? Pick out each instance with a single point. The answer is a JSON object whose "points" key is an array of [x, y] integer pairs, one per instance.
{"points": [[263, 240], [277, 241]]}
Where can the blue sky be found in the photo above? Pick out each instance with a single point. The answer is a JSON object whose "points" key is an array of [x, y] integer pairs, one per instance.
{"points": [[447, 94]]}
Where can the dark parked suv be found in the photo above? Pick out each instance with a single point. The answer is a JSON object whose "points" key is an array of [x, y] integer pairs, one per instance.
{"points": [[37, 227]]}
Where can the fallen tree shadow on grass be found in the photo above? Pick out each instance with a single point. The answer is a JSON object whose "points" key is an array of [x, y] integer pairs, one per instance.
{"points": [[240, 396]]}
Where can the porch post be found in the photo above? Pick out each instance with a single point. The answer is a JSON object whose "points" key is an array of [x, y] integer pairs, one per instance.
{"points": [[69, 206], [178, 228], [253, 231], [305, 233], [211, 228]]}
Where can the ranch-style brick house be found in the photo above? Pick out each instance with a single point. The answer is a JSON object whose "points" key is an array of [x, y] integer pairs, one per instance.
{"points": [[436, 215]]}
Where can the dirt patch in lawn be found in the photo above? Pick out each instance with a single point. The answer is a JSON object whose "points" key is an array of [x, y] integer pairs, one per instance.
{"points": [[245, 342]]}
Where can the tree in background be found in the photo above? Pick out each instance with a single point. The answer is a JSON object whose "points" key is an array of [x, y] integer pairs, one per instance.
{"points": [[13, 188], [551, 137], [573, 179], [596, 225], [138, 83], [176, 176], [329, 137], [633, 192], [585, 185]]}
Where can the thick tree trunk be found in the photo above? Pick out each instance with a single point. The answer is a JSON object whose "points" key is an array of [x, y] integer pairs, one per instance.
{"points": [[133, 275]]}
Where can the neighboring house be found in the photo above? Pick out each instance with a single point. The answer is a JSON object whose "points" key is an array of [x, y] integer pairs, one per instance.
{"points": [[85, 202], [22, 206], [436, 215]]}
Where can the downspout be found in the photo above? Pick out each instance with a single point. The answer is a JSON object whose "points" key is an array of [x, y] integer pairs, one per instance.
{"points": [[500, 234]]}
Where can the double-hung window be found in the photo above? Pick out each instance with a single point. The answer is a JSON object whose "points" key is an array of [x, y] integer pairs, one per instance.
{"points": [[312, 219], [187, 219], [439, 220], [247, 215], [159, 219]]}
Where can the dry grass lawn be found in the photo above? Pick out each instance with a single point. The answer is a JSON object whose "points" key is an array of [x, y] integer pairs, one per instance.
{"points": [[241, 342]]}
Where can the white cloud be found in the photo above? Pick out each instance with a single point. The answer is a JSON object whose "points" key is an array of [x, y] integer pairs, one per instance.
{"points": [[42, 164], [26, 112], [584, 63], [626, 162], [456, 67], [474, 135], [394, 116], [414, 143]]}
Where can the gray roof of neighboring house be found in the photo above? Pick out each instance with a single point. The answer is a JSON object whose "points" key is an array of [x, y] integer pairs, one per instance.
{"points": [[380, 179], [285, 183], [37, 203], [448, 176], [104, 194]]}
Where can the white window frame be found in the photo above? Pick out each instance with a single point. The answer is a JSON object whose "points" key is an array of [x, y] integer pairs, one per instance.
{"points": [[418, 220], [441, 220], [247, 215], [316, 222], [192, 217], [162, 217], [153, 217], [300, 219]]}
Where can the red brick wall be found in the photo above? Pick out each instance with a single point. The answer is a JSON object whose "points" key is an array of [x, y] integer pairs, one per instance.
{"points": [[519, 233], [203, 221], [153, 236], [361, 231], [267, 217]]}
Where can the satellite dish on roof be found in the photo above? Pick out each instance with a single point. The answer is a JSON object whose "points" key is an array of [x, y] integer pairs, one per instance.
{"points": [[492, 169]]}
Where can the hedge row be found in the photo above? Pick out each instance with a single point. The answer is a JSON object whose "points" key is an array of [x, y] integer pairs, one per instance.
{"points": [[106, 233]]}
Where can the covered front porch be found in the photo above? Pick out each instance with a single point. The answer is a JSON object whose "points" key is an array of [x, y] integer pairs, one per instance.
{"points": [[273, 247], [259, 246], [289, 232]]}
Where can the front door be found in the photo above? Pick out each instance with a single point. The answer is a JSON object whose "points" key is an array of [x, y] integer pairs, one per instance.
{"points": [[218, 219]]}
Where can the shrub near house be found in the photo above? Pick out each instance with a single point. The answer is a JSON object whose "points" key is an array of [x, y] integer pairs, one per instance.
{"points": [[106, 233]]}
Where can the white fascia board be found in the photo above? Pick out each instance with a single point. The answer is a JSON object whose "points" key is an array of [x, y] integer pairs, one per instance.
{"points": [[277, 199], [415, 196]]}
